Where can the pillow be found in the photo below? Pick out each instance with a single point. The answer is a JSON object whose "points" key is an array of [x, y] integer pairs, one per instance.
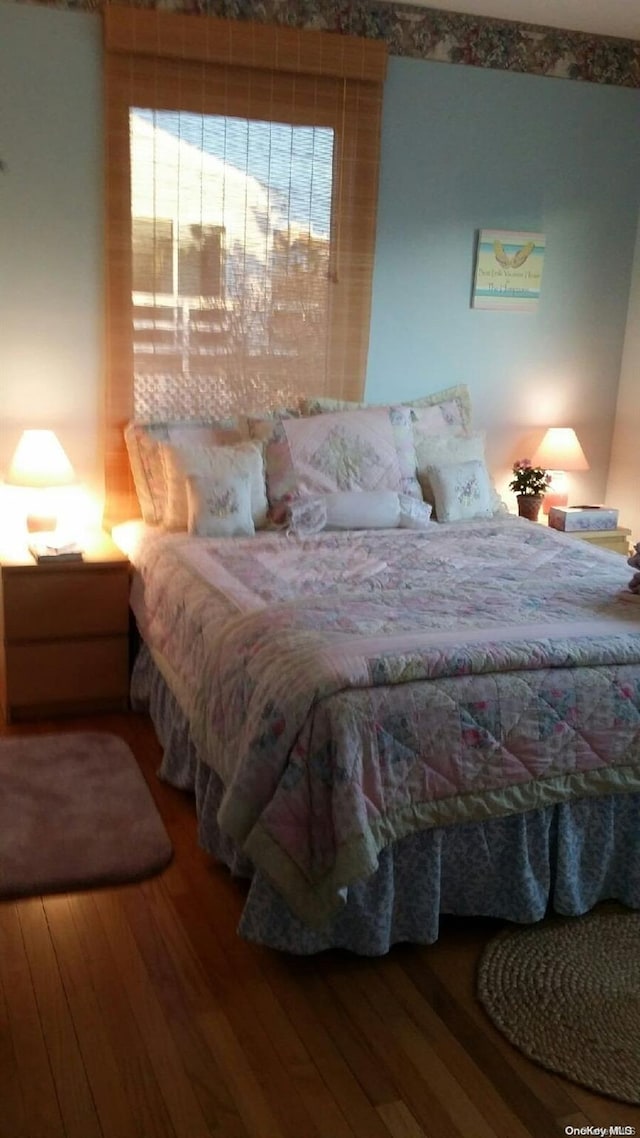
{"points": [[220, 507], [357, 509], [320, 404], [433, 450], [435, 420], [462, 490], [455, 403], [219, 462], [305, 516], [143, 447], [375, 509], [414, 514], [370, 449], [450, 408], [262, 428], [362, 509]]}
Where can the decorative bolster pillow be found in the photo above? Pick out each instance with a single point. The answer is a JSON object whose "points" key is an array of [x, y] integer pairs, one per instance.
{"points": [[414, 514], [363, 509], [357, 509]]}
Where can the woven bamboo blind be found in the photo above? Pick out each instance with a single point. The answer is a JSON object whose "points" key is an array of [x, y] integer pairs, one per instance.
{"points": [[264, 295]]}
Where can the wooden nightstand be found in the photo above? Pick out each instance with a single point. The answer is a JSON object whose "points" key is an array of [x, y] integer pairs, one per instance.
{"points": [[64, 625], [615, 539]]}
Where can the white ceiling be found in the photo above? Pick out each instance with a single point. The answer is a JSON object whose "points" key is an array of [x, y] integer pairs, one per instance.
{"points": [[603, 17]]}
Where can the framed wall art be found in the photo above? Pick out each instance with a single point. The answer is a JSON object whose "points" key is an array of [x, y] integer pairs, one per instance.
{"points": [[508, 272]]}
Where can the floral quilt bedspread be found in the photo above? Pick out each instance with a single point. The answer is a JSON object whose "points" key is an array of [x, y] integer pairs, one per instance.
{"points": [[351, 688]]}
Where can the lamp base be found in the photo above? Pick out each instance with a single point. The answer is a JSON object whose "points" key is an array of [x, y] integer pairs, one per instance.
{"points": [[554, 500], [557, 493], [41, 523]]}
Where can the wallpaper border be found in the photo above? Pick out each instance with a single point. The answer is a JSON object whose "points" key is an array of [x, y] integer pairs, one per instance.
{"points": [[428, 33]]}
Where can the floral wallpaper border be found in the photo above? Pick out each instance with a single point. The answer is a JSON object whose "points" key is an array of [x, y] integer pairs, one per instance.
{"points": [[427, 33]]}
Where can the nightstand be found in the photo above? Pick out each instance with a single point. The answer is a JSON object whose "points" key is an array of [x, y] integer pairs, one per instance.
{"points": [[615, 539], [64, 633]]}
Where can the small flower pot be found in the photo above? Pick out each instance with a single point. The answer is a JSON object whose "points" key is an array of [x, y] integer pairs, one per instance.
{"points": [[529, 506]]}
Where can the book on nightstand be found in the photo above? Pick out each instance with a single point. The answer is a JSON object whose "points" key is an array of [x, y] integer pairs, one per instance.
{"points": [[46, 551]]}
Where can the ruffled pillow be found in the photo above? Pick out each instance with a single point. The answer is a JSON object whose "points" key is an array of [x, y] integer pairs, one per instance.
{"points": [[414, 514]]}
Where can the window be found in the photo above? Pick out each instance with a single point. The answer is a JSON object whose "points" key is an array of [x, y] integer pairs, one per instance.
{"points": [[231, 274], [242, 169], [152, 258]]}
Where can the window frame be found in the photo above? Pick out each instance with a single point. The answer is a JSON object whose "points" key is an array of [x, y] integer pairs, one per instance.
{"points": [[233, 68]]}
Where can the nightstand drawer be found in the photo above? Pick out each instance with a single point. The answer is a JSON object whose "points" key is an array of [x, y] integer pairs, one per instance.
{"points": [[56, 674], [49, 603]]}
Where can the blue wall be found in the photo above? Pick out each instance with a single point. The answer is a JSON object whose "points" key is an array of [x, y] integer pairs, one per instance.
{"points": [[465, 149]]}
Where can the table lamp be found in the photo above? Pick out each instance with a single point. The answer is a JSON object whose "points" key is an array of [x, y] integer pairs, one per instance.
{"points": [[558, 453], [40, 464]]}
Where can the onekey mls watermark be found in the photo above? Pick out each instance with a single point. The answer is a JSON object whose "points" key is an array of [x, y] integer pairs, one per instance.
{"points": [[601, 1131]]}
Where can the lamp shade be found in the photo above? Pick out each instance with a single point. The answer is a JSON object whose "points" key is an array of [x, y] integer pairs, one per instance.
{"points": [[560, 450], [39, 461]]}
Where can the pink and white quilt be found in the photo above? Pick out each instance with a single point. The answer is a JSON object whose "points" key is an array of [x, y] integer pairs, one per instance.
{"points": [[352, 688]]}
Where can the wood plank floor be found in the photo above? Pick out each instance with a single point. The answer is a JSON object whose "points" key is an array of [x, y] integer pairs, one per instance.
{"points": [[137, 1012]]}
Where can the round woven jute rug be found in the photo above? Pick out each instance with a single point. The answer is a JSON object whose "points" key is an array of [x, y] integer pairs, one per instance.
{"points": [[567, 994]]}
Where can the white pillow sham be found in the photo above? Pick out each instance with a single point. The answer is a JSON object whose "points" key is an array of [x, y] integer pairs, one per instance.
{"points": [[143, 441], [462, 490], [220, 462], [434, 450], [220, 508]]}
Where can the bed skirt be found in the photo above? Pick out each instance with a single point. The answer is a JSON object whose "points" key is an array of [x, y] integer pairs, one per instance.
{"points": [[563, 859]]}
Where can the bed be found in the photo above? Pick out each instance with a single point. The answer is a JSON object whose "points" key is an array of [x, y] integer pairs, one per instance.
{"points": [[383, 726]]}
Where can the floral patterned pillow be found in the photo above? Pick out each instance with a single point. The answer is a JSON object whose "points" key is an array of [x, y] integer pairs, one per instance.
{"points": [[369, 449], [217, 462], [441, 419], [220, 508], [462, 490], [454, 402], [143, 447], [449, 409], [433, 450]]}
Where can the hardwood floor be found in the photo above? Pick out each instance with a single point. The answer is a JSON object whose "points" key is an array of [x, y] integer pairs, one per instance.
{"points": [[137, 1011]]}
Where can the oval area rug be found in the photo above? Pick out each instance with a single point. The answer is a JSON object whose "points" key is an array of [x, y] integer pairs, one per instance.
{"points": [[75, 812], [567, 994]]}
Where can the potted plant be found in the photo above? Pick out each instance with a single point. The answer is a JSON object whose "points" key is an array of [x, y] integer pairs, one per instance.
{"points": [[530, 484]]}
